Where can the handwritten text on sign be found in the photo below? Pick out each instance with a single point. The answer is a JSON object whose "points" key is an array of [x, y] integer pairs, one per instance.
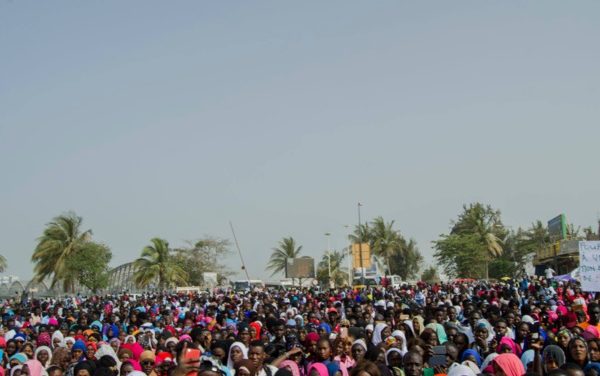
{"points": [[589, 265]]}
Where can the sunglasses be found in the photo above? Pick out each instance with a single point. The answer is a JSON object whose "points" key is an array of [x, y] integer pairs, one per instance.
{"points": [[146, 362]]}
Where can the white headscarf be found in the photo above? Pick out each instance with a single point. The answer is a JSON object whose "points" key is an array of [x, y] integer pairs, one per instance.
{"points": [[46, 349], [58, 335], [108, 350], [239, 345], [376, 340], [400, 333], [393, 349], [460, 370], [360, 342]]}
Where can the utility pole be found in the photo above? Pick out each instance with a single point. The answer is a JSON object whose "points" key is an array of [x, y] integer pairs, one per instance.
{"points": [[362, 269], [328, 235]]}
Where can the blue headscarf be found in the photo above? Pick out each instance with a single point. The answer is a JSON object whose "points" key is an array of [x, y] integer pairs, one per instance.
{"points": [[474, 354], [325, 327], [79, 345]]}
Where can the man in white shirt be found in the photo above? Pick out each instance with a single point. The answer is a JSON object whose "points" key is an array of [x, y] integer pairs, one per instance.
{"points": [[549, 272]]}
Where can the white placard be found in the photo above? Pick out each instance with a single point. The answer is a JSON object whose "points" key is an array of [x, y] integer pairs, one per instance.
{"points": [[589, 265]]}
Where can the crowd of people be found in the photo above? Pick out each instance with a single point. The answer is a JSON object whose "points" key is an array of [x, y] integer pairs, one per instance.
{"points": [[531, 327]]}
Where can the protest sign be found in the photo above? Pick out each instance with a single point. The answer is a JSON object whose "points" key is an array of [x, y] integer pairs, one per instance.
{"points": [[589, 265]]}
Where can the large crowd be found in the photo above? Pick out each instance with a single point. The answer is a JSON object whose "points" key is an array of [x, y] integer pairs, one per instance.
{"points": [[531, 327]]}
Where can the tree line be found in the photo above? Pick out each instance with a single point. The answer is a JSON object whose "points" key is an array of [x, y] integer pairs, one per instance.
{"points": [[69, 257], [478, 245]]}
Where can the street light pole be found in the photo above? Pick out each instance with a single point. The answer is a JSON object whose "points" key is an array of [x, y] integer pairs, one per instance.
{"points": [[360, 240], [327, 234]]}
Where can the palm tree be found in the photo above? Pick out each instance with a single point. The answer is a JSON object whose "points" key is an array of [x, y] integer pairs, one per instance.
{"points": [[483, 222], [156, 263], [286, 249], [387, 243], [61, 239], [3, 264], [333, 261]]}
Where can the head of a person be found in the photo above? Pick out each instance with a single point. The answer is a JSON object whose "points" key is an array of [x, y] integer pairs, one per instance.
{"points": [[147, 361], [324, 350], [413, 363], [594, 313], [245, 367], [365, 368], [358, 351], [257, 353], [577, 351]]}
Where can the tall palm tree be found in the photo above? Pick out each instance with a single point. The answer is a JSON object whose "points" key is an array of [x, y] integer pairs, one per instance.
{"points": [[61, 239], [156, 263], [333, 261], [387, 242], [286, 249], [3, 264]]}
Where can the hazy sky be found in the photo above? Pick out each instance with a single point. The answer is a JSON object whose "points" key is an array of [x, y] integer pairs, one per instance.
{"points": [[170, 118]]}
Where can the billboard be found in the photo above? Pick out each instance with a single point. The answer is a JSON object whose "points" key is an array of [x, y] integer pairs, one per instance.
{"points": [[303, 267], [557, 228], [359, 250]]}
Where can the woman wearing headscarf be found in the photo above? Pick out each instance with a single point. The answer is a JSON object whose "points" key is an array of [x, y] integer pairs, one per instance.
{"points": [[292, 366], [317, 369], [324, 330], [44, 355], [439, 331], [460, 370], [508, 345], [508, 365], [393, 359], [471, 355], [35, 368], [553, 357], [359, 349], [381, 332], [58, 340], [17, 359], [418, 325], [578, 352], [401, 342], [237, 351]]}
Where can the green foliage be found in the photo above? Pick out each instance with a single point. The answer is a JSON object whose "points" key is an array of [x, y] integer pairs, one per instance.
{"points": [[475, 239], [90, 264], [158, 264], [401, 257], [286, 248], [339, 273], [62, 238], [430, 275], [3, 264], [203, 256]]}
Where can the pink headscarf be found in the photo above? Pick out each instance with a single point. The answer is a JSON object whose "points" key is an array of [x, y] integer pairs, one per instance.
{"points": [[35, 367], [322, 369], [510, 364], [506, 341], [292, 366]]}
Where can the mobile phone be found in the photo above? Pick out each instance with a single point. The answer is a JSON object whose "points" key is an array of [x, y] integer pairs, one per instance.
{"points": [[437, 360], [535, 336], [192, 358], [404, 317], [439, 350]]}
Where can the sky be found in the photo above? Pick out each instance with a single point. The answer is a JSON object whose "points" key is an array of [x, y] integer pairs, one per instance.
{"points": [[170, 119]]}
